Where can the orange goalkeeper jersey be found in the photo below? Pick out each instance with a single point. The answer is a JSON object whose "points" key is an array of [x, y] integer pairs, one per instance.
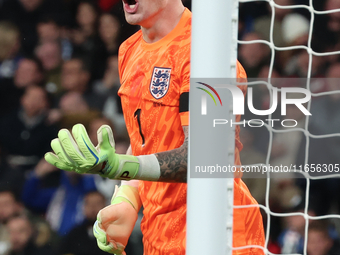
{"points": [[154, 93]]}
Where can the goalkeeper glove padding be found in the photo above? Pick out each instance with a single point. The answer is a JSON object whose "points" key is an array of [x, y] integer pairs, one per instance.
{"points": [[81, 156]]}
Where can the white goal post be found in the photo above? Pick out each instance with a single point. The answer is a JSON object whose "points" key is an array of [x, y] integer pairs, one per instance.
{"points": [[210, 200]]}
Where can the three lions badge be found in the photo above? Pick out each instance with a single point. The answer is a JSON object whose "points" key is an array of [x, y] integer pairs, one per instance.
{"points": [[160, 82]]}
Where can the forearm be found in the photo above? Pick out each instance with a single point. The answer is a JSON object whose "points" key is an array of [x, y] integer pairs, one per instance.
{"points": [[167, 166], [173, 164]]}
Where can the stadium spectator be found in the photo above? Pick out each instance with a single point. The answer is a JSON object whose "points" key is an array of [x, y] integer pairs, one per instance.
{"points": [[85, 36], [10, 177], [253, 56], [109, 34], [261, 101], [286, 145], [29, 72], [107, 88], [80, 240], [26, 14], [262, 24], [21, 234], [284, 152], [261, 95], [87, 18], [25, 134], [110, 80], [298, 65], [324, 193], [325, 35], [49, 30], [62, 204], [76, 78], [334, 17], [74, 109], [295, 29], [291, 239], [321, 239], [109, 28], [49, 53], [9, 206], [9, 49]]}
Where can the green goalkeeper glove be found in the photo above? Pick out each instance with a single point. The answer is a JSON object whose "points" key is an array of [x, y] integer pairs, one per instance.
{"points": [[115, 222], [81, 156]]}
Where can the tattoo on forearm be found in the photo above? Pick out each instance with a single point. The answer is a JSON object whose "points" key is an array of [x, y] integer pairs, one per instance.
{"points": [[173, 163]]}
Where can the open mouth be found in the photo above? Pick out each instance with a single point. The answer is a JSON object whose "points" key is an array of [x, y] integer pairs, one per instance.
{"points": [[130, 2], [130, 6]]}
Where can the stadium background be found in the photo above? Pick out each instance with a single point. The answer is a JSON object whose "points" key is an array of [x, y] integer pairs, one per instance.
{"points": [[58, 67]]}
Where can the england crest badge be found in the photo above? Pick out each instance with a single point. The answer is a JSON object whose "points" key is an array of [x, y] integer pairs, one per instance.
{"points": [[160, 82]]}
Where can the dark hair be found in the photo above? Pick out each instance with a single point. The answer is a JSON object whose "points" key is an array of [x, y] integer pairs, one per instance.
{"points": [[83, 65], [36, 61], [92, 3], [48, 96], [24, 217], [95, 8], [47, 19], [6, 189]]}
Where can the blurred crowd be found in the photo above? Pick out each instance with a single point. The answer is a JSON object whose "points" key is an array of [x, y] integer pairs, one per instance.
{"points": [[289, 64], [59, 67]]}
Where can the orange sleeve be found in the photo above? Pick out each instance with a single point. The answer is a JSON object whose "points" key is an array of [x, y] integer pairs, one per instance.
{"points": [[121, 55]]}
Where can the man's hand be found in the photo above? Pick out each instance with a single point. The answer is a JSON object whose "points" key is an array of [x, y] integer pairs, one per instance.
{"points": [[78, 154], [114, 226]]}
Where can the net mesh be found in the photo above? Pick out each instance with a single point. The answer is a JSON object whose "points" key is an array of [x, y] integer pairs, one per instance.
{"points": [[309, 12]]}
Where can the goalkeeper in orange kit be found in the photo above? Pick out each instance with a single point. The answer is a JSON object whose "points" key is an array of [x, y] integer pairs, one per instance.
{"points": [[154, 68]]}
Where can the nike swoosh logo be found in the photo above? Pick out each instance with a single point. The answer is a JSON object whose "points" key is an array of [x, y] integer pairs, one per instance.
{"points": [[94, 155]]}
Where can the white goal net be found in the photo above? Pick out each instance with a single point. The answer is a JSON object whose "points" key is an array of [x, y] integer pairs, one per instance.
{"points": [[285, 44]]}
